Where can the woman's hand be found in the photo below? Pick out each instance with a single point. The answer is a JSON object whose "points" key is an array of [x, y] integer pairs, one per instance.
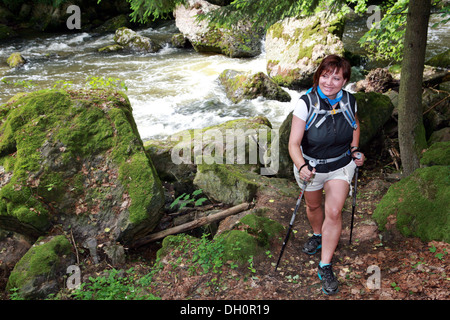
{"points": [[305, 174], [359, 158]]}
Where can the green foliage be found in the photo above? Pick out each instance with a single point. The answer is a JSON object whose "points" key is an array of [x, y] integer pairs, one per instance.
{"points": [[385, 40], [23, 83], [16, 4], [264, 13], [186, 199], [115, 286], [208, 255], [145, 10], [201, 255], [438, 255], [104, 83], [382, 41]]}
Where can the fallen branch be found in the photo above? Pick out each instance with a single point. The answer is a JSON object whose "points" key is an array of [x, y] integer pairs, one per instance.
{"points": [[191, 225]]}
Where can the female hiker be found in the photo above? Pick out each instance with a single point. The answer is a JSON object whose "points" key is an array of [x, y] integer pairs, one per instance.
{"points": [[325, 129]]}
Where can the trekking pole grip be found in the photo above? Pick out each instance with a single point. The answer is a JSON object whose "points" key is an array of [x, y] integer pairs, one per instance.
{"points": [[311, 165], [357, 155]]}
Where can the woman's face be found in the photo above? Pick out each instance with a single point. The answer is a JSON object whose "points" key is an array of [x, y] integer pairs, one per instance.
{"points": [[331, 83]]}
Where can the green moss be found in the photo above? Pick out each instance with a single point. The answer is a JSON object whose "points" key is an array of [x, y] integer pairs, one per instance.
{"points": [[276, 30], [374, 109], [47, 136], [420, 140], [171, 242], [437, 154], [239, 245], [40, 260], [142, 187], [262, 228], [15, 60], [420, 204]]}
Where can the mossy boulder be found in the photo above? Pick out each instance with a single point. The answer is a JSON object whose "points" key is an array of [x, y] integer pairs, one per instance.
{"points": [[176, 157], [295, 47], [436, 110], [75, 158], [440, 135], [418, 205], [111, 48], [15, 60], [244, 85], [225, 183], [41, 270], [437, 154], [129, 39], [374, 110], [441, 60], [252, 236], [235, 184], [238, 42]]}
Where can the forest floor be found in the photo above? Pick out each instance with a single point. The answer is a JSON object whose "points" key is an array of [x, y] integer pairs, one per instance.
{"points": [[375, 266]]}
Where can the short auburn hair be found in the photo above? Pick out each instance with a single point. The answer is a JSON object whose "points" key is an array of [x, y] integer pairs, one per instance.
{"points": [[332, 63]]}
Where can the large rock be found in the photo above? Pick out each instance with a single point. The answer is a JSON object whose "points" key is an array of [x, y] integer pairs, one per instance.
{"points": [[437, 154], [75, 158], [295, 48], [42, 268], [15, 60], [436, 110], [230, 162], [418, 205], [441, 60], [374, 110], [177, 157], [242, 85], [129, 39], [237, 42]]}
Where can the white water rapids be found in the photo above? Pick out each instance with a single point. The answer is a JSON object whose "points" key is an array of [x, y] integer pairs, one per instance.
{"points": [[172, 90]]}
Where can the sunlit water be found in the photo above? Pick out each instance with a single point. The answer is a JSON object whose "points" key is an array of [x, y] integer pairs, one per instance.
{"points": [[172, 90]]}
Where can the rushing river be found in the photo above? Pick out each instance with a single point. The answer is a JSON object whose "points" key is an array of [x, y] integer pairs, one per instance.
{"points": [[172, 90]]}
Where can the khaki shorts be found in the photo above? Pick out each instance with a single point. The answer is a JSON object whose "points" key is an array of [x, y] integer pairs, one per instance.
{"points": [[316, 183]]}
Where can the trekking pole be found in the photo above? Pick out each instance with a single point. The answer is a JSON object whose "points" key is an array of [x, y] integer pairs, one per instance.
{"points": [[311, 165], [357, 156]]}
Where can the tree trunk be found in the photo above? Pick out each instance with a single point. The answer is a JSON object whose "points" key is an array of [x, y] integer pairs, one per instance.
{"points": [[411, 131]]}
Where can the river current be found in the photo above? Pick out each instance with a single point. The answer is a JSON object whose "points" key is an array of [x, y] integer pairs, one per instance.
{"points": [[172, 90]]}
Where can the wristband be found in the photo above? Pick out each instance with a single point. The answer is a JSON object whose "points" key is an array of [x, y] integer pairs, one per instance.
{"points": [[302, 167]]}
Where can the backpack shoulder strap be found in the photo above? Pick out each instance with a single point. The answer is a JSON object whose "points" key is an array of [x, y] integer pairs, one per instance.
{"points": [[313, 108], [345, 105]]}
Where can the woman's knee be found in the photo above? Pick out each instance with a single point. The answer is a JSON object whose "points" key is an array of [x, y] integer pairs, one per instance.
{"points": [[334, 213], [313, 200]]}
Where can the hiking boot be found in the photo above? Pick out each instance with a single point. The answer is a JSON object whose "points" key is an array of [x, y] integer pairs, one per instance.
{"points": [[329, 281], [312, 245]]}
